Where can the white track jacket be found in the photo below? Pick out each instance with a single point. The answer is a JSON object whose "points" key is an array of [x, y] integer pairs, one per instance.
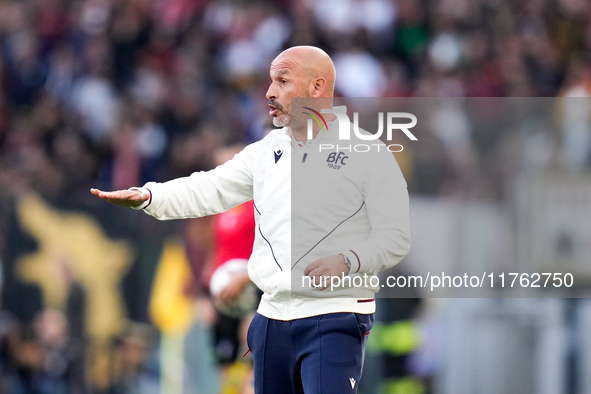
{"points": [[310, 202]]}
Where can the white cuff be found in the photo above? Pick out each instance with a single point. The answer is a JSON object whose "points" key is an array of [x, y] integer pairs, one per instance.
{"points": [[354, 259]]}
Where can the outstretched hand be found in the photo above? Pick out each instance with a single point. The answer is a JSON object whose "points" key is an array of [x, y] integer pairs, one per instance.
{"points": [[125, 198]]}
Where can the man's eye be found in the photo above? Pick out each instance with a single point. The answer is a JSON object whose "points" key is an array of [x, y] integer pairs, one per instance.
{"points": [[283, 81]]}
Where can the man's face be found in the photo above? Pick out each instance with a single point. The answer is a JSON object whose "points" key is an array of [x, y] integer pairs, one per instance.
{"points": [[287, 81]]}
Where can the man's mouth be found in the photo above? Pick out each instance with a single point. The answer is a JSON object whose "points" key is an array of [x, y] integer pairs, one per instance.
{"points": [[274, 108]]}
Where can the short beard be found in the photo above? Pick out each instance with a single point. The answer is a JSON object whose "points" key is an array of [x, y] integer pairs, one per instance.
{"points": [[282, 120]]}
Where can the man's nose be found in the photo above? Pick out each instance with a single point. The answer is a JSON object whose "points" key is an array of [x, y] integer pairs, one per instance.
{"points": [[271, 92]]}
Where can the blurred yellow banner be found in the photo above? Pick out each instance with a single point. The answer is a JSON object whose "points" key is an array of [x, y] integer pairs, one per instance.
{"points": [[170, 309]]}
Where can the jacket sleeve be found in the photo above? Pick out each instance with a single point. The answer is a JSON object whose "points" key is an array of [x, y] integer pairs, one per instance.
{"points": [[206, 192], [387, 204]]}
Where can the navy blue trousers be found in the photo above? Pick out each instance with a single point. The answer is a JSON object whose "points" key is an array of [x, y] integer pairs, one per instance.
{"points": [[315, 355]]}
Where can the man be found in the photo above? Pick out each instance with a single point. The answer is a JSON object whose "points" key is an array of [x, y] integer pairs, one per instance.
{"points": [[348, 218]]}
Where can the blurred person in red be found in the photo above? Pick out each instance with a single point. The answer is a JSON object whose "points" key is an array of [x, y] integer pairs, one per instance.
{"points": [[233, 238]]}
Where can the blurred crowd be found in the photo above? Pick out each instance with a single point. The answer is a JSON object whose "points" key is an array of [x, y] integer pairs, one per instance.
{"points": [[113, 93]]}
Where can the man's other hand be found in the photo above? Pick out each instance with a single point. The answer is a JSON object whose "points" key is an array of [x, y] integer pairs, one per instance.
{"points": [[326, 266], [125, 198]]}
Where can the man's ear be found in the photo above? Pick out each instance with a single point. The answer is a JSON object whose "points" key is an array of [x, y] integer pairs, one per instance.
{"points": [[317, 87]]}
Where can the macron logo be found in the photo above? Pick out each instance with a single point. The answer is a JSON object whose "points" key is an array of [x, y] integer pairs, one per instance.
{"points": [[278, 154], [352, 380]]}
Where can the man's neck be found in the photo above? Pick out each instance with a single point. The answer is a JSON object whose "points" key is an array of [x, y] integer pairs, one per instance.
{"points": [[301, 135]]}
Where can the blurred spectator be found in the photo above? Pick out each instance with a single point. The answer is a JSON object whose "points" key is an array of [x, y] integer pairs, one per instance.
{"points": [[233, 238], [576, 133], [360, 74], [32, 360], [147, 77], [131, 367]]}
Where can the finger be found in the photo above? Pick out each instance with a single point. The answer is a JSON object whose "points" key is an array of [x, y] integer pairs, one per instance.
{"points": [[311, 267], [116, 195], [321, 283], [99, 193], [317, 280], [318, 272], [315, 273], [231, 296], [222, 297], [226, 296]]}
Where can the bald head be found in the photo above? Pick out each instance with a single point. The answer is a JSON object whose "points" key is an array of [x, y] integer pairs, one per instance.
{"points": [[311, 63], [302, 71]]}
